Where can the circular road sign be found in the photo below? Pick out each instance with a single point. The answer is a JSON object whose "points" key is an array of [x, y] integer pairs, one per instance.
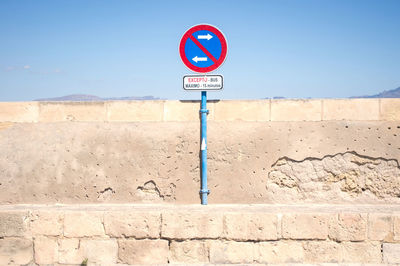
{"points": [[203, 48]]}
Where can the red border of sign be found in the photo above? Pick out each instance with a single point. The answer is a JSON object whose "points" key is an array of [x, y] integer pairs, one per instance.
{"points": [[220, 36]]}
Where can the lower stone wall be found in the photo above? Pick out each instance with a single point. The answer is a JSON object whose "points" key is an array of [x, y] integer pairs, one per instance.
{"points": [[219, 234]]}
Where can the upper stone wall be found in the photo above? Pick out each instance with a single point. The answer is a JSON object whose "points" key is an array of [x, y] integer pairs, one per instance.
{"points": [[158, 111], [269, 151]]}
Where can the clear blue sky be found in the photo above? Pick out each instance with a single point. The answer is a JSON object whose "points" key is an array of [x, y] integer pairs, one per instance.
{"points": [[295, 49]]}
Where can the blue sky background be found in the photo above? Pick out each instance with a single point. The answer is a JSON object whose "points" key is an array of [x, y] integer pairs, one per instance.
{"points": [[295, 49]]}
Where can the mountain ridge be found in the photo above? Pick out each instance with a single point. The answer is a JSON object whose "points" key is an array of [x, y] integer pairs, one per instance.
{"points": [[395, 93]]}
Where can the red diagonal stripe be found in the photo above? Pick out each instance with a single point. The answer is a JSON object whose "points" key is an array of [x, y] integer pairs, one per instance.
{"points": [[203, 48]]}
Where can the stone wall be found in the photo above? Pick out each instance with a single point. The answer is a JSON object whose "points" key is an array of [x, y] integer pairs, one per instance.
{"points": [[233, 110], [271, 151], [117, 183], [187, 234]]}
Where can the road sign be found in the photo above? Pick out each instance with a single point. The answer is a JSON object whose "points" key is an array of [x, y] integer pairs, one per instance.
{"points": [[203, 48], [202, 82]]}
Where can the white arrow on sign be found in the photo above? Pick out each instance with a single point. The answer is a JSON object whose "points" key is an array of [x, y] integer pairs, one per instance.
{"points": [[197, 59], [205, 37], [203, 145]]}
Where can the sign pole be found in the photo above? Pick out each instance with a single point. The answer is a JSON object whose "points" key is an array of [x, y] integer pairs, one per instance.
{"points": [[203, 49], [203, 111]]}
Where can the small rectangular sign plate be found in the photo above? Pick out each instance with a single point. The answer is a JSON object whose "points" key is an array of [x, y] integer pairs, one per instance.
{"points": [[202, 82]]}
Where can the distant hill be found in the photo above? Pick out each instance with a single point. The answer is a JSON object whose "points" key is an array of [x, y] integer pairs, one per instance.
{"points": [[385, 94], [93, 98]]}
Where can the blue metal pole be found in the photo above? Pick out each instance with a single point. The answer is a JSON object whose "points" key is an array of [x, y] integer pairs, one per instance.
{"points": [[203, 111]]}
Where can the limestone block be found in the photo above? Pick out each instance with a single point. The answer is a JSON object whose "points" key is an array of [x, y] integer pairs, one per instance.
{"points": [[83, 224], [242, 110], [361, 252], [305, 226], [296, 110], [391, 253], [47, 223], [22, 112], [135, 110], [187, 225], [46, 250], [380, 227], [13, 223], [143, 251], [250, 226], [350, 109], [72, 111], [390, 109], [231, 252], [185, 111], [100, 251], [191, 251], [322, 252], [69, 251], [132, 224], [396, 228], [279, 252], [348, 227], [15, 251]]}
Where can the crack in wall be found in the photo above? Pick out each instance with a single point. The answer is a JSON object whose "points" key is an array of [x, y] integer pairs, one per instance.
{"points": [[150, 191]]}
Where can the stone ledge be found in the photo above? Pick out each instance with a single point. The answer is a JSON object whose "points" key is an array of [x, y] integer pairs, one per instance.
{"points": [[19, 112], [224, 110], [296, 110], [350, 109], [253, 208], [390, 109]]}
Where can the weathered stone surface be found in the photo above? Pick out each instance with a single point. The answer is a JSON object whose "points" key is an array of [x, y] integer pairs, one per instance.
{"points": [[348, 227], [15, 251], [96, 162], [70, 251], [231, 252], [100, 251], [279, 252], [296, 110], [46, 250], [185, 225], [96, 251], [192, 251], [390, 109], [135, 110], [83, 224], [13, 223], [380, 227], [322, 252], [346, 176], [47, 223], [132, 224], [396, 228], [350, 109], [143, 251], [242, 110], [361, 252], [391, 253], [251, 226], [305, 226], [22, 112]]}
